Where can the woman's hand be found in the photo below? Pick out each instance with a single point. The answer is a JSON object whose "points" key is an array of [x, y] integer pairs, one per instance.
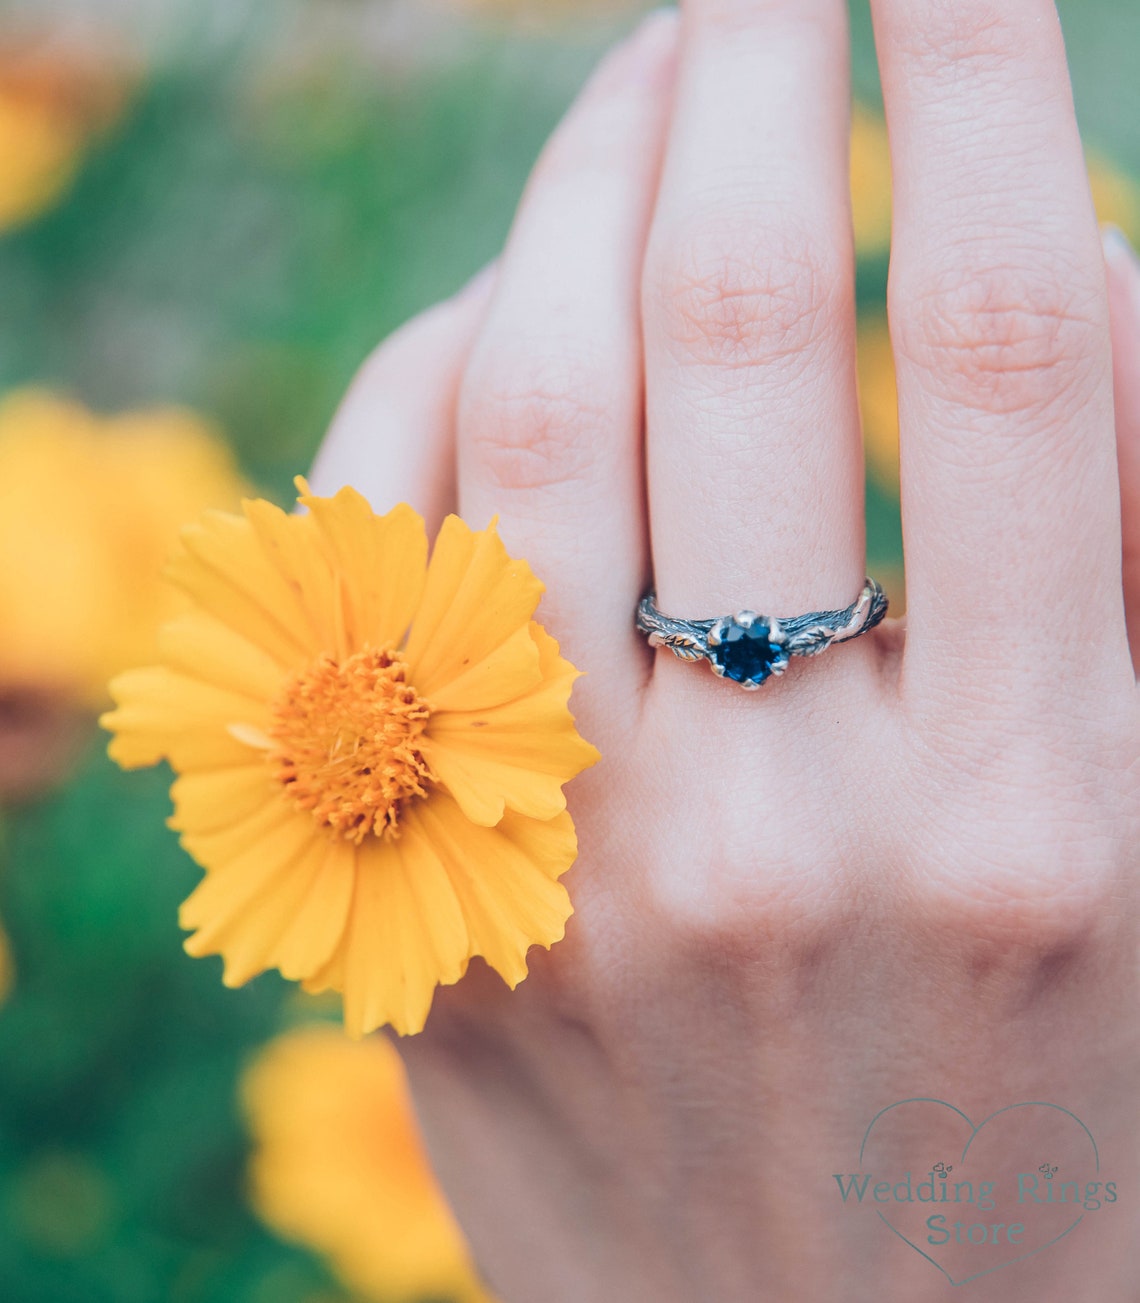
{"points": [[908, 867]]}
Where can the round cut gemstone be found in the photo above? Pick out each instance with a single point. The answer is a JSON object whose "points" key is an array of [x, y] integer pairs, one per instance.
{"points": [[748, 655]]}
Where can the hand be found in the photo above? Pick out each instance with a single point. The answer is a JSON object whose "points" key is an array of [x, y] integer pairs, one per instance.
{"points": [[908, 868]]}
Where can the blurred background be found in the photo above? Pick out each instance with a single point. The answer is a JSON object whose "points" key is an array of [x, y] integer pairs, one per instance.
{"points": [[210, 212]]}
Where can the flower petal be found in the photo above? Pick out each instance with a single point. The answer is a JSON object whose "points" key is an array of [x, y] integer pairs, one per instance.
{"points": [[551, 845], [484, 789], [511, 669], [224, 569], [476, 596], [321, 916], [198, 645], [216, 800], [516, 755], [383, 560], [406, 936], [295, 549], [164, 715], [252, 909], [218, 846], [505, 879]]}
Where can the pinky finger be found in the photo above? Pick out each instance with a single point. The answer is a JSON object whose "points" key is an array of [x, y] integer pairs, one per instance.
{"points": [[1123, 268], [393, 437]]}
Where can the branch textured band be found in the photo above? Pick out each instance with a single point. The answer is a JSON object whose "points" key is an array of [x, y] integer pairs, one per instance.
{"points": [[749, 648]]}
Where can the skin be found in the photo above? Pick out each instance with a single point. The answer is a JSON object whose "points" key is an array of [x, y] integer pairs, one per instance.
{"points": [[908, 867]]}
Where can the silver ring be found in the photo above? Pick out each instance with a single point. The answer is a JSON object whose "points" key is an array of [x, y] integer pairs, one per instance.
{"points": [[748, 648]]}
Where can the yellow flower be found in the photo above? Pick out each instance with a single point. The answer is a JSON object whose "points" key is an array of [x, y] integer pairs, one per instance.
{"points": [[371, 749], [1115, 194], [89, 510], [52, 102], [870, 181], [338, 1165], [879, 402]]}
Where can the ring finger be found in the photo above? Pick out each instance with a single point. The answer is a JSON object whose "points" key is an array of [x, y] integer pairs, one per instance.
{"points": [[999, 316]]}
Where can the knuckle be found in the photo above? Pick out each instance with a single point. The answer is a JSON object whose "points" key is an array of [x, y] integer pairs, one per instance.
{"points": [[1002, 341], [743, 900], [962, 39], [765, 943], [1032, 884], [734, 294], [1017, 843], [535, 423]]}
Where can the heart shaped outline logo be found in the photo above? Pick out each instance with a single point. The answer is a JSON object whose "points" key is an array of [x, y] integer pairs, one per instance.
{"points": [[974, 1132]]}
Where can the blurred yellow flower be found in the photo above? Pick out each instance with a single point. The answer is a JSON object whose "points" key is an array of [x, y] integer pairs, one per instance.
{"points": [[870, 181], [90, 508], [372, 752], [338, 1166], [53, 101], [878, 402], [891, 575], [1115, 195]]}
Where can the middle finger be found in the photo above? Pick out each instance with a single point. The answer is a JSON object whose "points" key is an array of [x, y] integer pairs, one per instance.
{"points": [[754, 460]]}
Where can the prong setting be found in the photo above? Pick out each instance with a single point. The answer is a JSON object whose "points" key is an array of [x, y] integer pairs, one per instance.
{"points": [[749, 648]]}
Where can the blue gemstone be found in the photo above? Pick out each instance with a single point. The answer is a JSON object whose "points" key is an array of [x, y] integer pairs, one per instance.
{"points": [[747, 655]]}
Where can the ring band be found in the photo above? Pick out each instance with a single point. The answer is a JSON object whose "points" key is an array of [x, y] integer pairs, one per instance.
{"points": [[748, 648]]}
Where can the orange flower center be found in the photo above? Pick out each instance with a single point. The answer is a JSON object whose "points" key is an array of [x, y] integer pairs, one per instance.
{"points": [[345, 736]]}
